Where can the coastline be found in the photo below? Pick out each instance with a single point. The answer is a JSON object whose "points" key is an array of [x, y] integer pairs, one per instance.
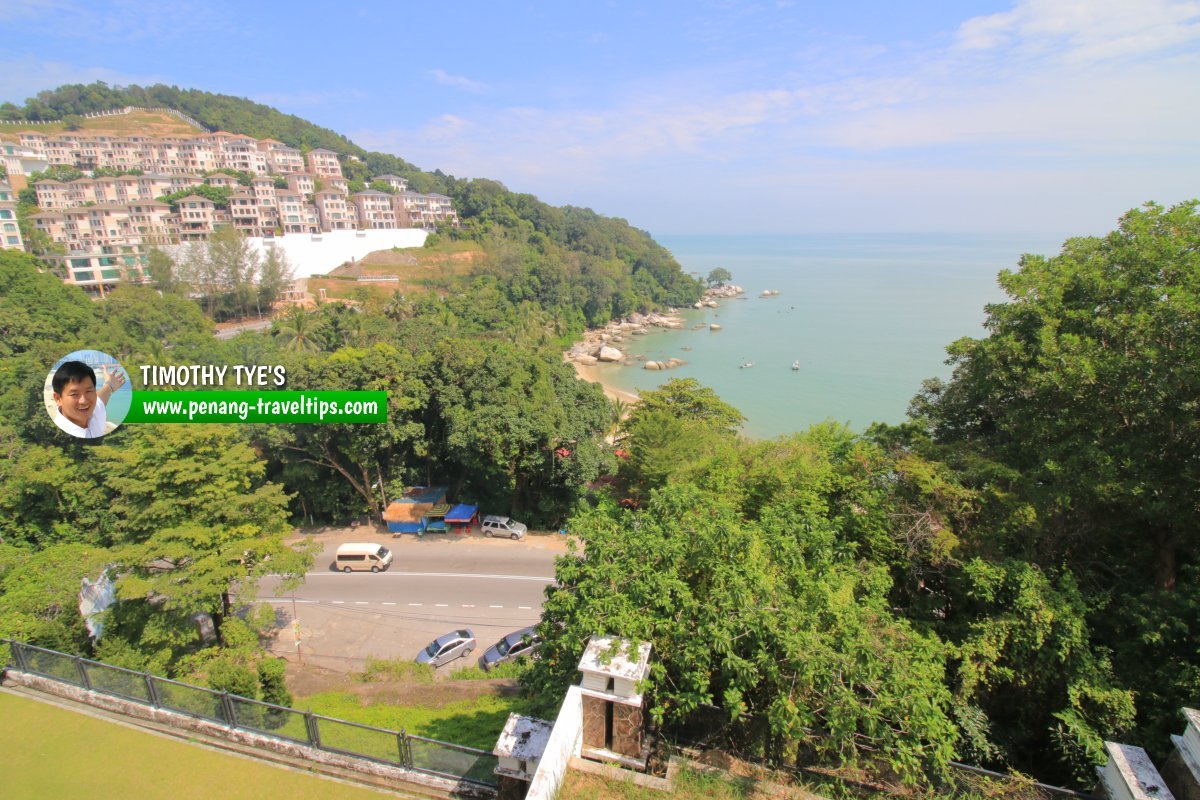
{"points": [[599, 345], [592, 374]]}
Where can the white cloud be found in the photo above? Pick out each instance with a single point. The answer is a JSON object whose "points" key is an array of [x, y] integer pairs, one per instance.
{"points": [[1087, 30], [457, 81], [1022, 111]]}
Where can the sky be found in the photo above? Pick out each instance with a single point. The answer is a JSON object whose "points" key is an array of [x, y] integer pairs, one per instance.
{"points": [[959, 116]]}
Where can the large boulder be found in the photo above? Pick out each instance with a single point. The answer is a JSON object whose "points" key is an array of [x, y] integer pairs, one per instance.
{"points": [[652, 365], [586, 360], [609, 354]]}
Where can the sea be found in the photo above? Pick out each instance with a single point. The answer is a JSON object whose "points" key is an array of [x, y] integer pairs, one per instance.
{"points": [[866, 317]]}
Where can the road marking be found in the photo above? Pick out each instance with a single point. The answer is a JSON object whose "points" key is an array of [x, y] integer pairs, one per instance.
{"points": [[441, 605], [360, 602], [414, 604], [389, 604], [495, 606], [338, 602], [538, 578], [525, 608], [284, 600], [468, 606]]}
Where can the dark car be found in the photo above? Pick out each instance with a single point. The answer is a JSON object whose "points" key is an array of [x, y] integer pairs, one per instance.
{"points": [[516, 644], [447, 647]]}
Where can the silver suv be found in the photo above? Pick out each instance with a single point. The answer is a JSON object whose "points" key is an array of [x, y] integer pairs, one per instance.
{"points": [[503, 526]]}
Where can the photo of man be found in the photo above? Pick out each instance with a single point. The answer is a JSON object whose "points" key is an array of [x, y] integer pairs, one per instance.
{"points": [[81, 398]]}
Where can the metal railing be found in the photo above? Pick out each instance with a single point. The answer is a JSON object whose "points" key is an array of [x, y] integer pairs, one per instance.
{"points": [[380, 745]]}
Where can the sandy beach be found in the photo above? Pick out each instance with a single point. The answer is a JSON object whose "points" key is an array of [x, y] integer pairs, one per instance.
{"points": [[592, 374]]}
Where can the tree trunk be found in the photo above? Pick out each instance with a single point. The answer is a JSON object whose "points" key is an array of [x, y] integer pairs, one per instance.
{"points": [[1165, 562]]}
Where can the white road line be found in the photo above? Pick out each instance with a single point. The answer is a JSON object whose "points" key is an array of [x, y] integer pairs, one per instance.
{"points": [[495, 606], [338, 602], [360, 602], [468, 606], [414, 604], [389, 604], [441, 605], [338, 575], [525, 608]]}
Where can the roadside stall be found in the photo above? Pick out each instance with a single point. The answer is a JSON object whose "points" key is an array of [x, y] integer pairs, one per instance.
{"points": [[462, 518]]}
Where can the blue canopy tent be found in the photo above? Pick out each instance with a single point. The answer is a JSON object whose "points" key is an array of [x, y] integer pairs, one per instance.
{"points": [[462, 517]]}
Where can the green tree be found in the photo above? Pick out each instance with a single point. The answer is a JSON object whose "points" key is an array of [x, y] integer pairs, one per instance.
{"points": [[194, 520], [298, 331], [275, 276], [1086, 390], [39, 593], [161, 268], [719, 277], [764, 621], [237, 266], [367, 457]]}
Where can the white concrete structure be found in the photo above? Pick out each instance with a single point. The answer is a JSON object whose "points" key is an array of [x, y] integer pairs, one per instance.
{"points": [[564, 742], [612, 668], [1131, 775], [520, 746], [318, 253]]}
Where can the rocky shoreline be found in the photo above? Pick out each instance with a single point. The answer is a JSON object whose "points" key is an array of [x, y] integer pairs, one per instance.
{"points": [[601, 345]]}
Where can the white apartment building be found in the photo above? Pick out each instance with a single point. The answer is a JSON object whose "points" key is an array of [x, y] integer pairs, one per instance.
{"points": [[10, 232]]}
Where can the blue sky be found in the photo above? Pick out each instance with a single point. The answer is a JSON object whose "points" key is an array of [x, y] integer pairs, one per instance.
{"points": [[1022, 116]]}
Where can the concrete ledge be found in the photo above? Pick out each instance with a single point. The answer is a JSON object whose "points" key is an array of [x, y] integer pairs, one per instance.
{"points": [[666, 784], [249, 743]]}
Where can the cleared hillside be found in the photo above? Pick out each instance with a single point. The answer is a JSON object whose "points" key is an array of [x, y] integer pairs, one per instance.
{"points": [[142, 123]]}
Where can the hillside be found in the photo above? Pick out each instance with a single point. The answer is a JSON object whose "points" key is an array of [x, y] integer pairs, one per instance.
{"points": [[145, 123], [580, 266]]}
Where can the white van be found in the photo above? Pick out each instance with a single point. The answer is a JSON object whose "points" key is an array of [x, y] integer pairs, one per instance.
{"points": [[362, 556]]}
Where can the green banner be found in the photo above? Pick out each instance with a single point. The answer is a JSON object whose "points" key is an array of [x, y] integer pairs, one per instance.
{"points": [[258, 406]]}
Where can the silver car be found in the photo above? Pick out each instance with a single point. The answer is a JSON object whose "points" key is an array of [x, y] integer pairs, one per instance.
{"points": [[516, 644], [447, 647], [504, 527]]}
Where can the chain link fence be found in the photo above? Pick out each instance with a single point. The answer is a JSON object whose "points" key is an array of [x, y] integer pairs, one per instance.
{"points": [[394, 748]]}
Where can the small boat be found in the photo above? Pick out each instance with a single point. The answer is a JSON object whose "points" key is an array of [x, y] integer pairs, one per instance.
{"points": [[746, 365], [796, 364]]}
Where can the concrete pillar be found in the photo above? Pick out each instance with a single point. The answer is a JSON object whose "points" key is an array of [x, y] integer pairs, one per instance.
{"points": [[594, 729], [1182, 770], [1131, 775], [627, 731]]}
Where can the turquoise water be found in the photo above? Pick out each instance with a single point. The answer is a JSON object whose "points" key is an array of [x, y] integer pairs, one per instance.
{"points": [[869, 318]]}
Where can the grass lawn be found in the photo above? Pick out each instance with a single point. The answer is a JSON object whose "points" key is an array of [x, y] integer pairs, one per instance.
{"points": [[475, 722], [50, 752]]}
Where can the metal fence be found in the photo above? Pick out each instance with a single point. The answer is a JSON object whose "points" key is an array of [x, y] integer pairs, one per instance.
{"points": [[395, 748]]}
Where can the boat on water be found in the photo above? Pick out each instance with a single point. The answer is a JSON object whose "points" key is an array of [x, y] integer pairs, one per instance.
{"points": [[746, 365], [796, 364]]}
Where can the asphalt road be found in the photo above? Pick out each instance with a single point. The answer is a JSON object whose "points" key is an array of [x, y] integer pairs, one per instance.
{"points": [[435, 585]]}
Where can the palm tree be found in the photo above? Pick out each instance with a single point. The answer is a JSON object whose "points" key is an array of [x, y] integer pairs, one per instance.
{"points": [[618, 409], [297, 330]]}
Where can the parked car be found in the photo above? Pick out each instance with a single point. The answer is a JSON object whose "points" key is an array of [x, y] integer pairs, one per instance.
{"points": [[516, 644], [447, 647], [503, 526]]}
